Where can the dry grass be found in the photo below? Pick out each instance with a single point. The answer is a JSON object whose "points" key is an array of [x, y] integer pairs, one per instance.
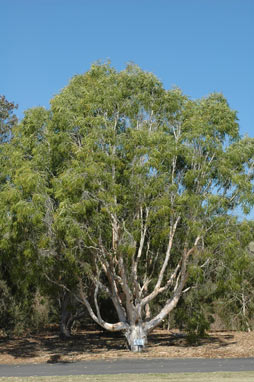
{"points": [[182, 377], [95, 344]]}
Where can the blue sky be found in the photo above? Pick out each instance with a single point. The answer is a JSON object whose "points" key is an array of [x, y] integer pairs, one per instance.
{"points": [[200, 46]]}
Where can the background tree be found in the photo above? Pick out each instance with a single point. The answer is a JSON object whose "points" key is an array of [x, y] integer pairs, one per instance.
{"points": [[22, 199], [234, 301], [220, 282], [7, 118], [27, 208]]}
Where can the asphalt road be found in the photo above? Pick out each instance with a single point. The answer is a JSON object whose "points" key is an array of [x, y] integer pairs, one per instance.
{"points": [[120, 366]]}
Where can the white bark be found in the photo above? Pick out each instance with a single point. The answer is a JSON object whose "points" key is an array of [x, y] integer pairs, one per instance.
{"points": [[136, 336], [97, 318], [131, 320], [143, 230], [134, 313], [158, 288]]}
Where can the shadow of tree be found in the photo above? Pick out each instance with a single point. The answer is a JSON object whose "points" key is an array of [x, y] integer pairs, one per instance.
{"points": [[181, 340], [95, 342]]}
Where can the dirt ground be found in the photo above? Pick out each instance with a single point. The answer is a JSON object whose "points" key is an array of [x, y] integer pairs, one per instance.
{"points": [[95, 344]]}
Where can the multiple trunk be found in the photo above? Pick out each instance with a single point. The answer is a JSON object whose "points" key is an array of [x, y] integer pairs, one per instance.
{"points": [[129, 292], [136, 336], [127, 279]]}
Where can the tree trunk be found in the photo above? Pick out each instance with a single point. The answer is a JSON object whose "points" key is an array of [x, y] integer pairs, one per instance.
{"points": [[136, 336], [69, 314], [65, 324], [67, 321]]}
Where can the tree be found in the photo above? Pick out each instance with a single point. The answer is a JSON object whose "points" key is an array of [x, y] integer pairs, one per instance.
{"points": [[138, 178], [18, 279], [221, 282], [7, 118], [234, 277], [22, 197], [26, 207], [148, 173]]}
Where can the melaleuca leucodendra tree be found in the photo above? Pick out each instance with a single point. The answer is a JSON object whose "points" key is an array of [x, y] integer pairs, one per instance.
{"points": [[138, 177], [147, 175]]}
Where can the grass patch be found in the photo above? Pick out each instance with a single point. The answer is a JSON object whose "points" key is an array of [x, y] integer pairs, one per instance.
{"points": [[247, 376]]}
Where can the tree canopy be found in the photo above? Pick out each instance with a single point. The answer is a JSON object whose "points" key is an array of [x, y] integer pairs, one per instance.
{"points": [[120, 186]]}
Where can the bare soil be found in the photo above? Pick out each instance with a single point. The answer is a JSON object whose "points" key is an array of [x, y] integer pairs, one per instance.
{"points": [[95, 344]]}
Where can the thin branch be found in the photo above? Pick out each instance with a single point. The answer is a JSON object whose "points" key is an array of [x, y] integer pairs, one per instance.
{"points": [[143, 230]]}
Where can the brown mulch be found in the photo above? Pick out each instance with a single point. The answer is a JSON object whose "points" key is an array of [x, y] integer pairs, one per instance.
{"points": [[95, 344]]}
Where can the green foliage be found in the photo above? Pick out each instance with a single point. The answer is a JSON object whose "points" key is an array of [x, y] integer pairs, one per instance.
{"points": [[235, 280], [21, 311], [116, 153], [7, 119]]}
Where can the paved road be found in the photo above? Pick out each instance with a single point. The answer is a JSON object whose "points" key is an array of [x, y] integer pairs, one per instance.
{"points": [[129, 366]]}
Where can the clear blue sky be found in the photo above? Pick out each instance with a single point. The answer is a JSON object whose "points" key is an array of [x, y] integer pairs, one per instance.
{"points": [[199, 45]]}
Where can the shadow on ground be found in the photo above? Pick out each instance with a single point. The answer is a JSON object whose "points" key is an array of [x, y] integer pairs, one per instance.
{"points": [[95, 342]]}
